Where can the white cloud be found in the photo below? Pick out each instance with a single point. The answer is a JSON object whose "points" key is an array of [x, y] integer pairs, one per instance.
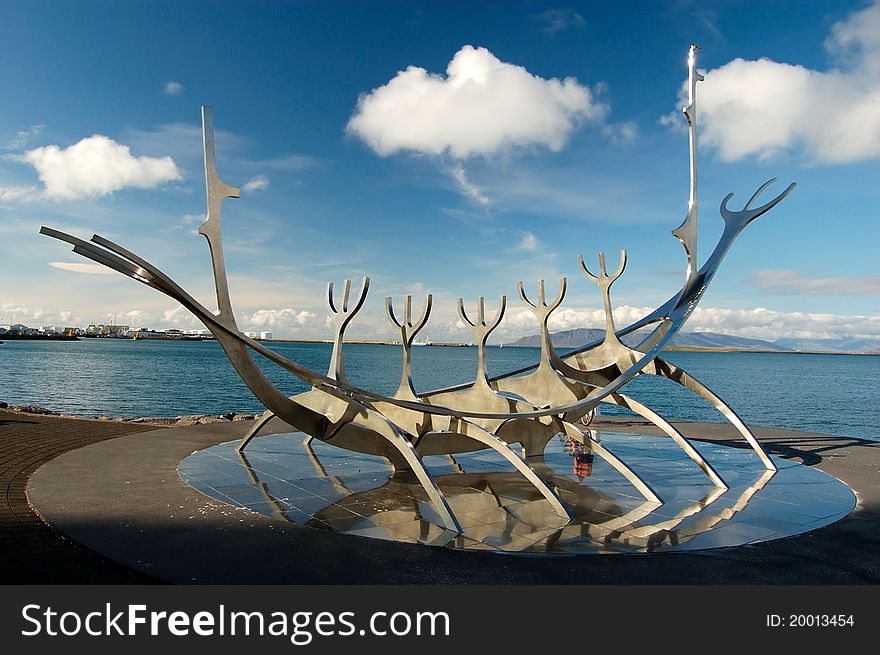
{"points": [[138, 318], [623, 134], [77, 267], [180, 317], [13, 193], [519, 322], [38, 316], [482, 106], [23, 136], [758, 323], [760, 108], [280, 318], [172, 88], [792, 282], [761, 323], [527, 243], [856, 40], [96, 166], [258, 183], [33, 316], [467, 187]]}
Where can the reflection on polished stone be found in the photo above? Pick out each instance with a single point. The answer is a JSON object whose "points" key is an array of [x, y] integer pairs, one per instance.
{"points": [[323, 487]]}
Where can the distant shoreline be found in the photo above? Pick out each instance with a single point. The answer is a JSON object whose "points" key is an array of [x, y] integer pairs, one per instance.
{"points": [[670, 349], [768, 352], [368, 342], [39, 337]]}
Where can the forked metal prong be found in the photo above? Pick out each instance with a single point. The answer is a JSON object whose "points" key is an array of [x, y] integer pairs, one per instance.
{"points": [[542, 307], [343, 316], [758, 192], [481, 331], [408, 331], [746, 215], [389, 312], [462, 314], [586, 271], [345, 311], [407, 327], [346, 290], [603, 280], [481, 326]]}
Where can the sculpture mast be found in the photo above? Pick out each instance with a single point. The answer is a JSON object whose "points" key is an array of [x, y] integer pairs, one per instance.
{"points": [[686, 233], [217, 190]]}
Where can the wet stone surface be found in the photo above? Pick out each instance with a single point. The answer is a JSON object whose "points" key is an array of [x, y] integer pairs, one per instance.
{"points": [[326, 488]]}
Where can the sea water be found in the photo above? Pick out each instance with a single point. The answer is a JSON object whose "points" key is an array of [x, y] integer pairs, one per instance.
{"points": [[834, 394]]}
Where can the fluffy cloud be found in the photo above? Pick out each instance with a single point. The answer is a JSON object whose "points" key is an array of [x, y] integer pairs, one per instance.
{"points": [[763, 107], [172, 88], [180, 317], [96, 166], [481, 107], [259, 183], [279, 318], [758, 323], [520, 322]]}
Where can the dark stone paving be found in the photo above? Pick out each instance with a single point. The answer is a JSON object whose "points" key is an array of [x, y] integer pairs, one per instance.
{"points": [[30, 551], [124, 498]]}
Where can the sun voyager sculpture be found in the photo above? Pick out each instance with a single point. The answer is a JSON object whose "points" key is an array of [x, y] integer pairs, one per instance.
{"points": [[528, 407]]}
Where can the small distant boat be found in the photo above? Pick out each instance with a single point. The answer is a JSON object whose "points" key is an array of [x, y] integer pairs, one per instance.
{"points": [[426, 342]]}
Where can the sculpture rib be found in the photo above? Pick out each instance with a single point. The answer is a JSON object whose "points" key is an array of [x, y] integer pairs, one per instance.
{"points": [[385, 428], [671, 372], [669, 429], [581, 437], [477, 433]]}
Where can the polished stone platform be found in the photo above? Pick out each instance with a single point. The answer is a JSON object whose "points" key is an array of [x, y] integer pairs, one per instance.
{"points": [[322, 487], [124, 500]]}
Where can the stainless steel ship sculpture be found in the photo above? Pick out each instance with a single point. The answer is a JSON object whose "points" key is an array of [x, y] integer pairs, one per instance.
{"points": [[527, 407]]}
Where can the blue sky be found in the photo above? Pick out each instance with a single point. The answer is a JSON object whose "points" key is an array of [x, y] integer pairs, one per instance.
{"points": [[448, 147]]}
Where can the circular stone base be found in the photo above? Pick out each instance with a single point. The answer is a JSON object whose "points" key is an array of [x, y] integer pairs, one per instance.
{"points": [[326, 488]]}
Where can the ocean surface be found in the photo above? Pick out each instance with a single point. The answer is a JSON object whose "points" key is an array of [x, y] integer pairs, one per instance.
{"points": [[833, 394]]}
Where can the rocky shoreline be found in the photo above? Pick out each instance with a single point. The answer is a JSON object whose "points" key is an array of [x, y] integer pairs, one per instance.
{"points": [[171, 421]]}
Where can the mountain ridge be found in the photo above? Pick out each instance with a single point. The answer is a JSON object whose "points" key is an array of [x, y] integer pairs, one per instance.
{"points": [[712, 340]]}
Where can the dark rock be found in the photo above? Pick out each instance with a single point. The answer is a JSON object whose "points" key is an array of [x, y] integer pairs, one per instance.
{"points": [[34, 409]]}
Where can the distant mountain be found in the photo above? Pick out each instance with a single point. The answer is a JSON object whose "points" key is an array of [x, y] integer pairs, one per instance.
{"points": [[580, 336], [845, 345], [725, 341]]}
